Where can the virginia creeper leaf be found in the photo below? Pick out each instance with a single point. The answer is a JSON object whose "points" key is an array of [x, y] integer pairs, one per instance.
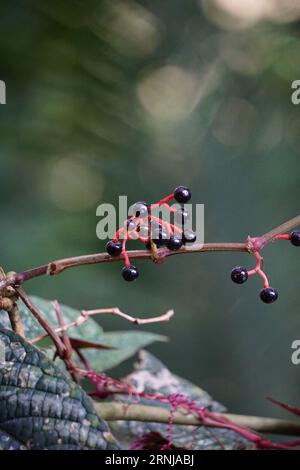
{"points": [[124, 343], [150, 375], [40, 407]]}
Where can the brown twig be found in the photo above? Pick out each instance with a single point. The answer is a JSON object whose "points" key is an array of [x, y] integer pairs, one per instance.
{"points": [[251, 245], [67, 354], [65, 337], [155, 414], [57, 267], [42, 321], [11, 307], [15, 320], [259, 242], [86, 314]]}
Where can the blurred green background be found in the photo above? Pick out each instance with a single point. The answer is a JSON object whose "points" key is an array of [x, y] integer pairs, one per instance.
{"points": [[134, 98]]}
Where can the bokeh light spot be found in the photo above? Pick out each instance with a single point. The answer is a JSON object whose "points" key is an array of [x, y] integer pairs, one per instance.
{"points": [[130, 28], [73, 186], [169, 93], [242, 14], [235, 14]]}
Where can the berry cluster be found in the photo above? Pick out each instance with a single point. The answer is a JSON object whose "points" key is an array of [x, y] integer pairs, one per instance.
{"points": [[153, 231], [268, 294]]}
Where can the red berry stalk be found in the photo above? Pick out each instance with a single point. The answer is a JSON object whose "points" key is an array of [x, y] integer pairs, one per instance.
{"points": [[149, 229], [240, 275]]}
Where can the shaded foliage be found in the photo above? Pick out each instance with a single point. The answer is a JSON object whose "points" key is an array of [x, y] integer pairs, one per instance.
{"points": [[40, 408], [152, 376]]}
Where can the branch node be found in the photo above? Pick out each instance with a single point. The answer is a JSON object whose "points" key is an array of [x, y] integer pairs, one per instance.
{"points": [[53, 269]]}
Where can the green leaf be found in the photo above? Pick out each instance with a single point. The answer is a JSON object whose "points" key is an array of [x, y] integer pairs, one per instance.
{"points": [[125, 343], [90, 330], [40, 407], [9, 443], [152, 376]]}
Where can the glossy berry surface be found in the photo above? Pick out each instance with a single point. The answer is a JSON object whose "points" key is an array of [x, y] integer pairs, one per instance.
{"points": [[131, 225], [268, 295], [140, 209], [182, 194], [159, 236], [154, 225], [181, 216], [295, 238], [144, 231], [130, 273], [113, 248], [239, 275], [188, 237], [174, 243]]}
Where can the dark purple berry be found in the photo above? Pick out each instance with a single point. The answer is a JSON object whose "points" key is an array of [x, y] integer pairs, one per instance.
{"points": [[131, 225], [154, 225], [140, 209], [159, 236], [130, 273], [295, 238], [239, 275], [182, 194], [188, 236], [268, 295], [113, 248], [174, 243], [144, 231], [181, 216]]}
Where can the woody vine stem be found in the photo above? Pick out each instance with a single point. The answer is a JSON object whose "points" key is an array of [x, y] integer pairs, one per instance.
{"points": [[252, 245], [11, 290]]}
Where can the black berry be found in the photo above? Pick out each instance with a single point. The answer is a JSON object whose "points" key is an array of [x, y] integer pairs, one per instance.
{"points": [[174, 243], [144, 231], [113, 248], [182, 194], [239, 275], [188, 237], [154, 225], [130, 273], [131, 225], [159, 236], [295, 238], [181, 216], [268, 295], [140, 209]]}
